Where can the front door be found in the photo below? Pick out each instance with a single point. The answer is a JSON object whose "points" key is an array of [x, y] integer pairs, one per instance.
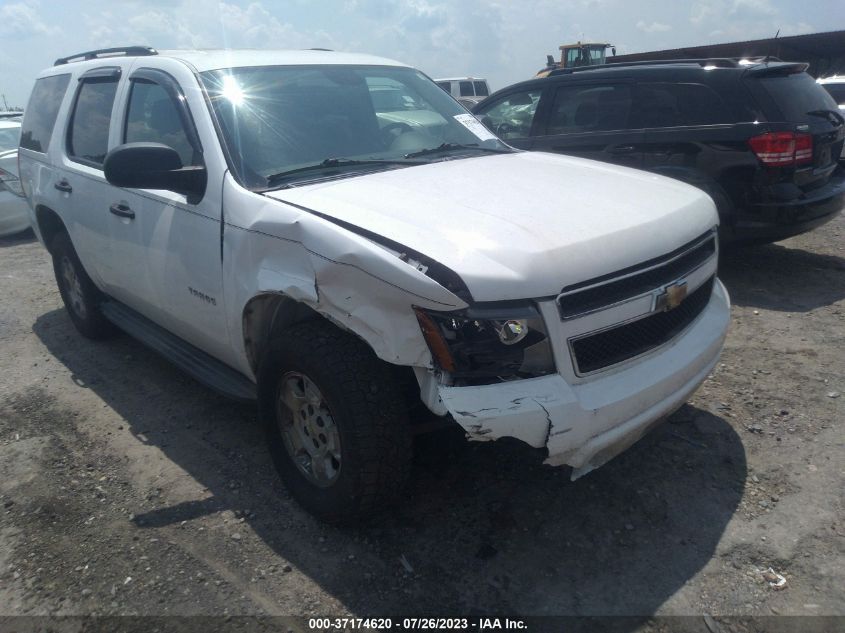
{"points": [[591, 120], [167, 245]]}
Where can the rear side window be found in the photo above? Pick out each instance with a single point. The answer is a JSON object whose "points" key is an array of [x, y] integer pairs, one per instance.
{"points": [[481, 89], [795, 95], [466, 89], [41, 112], [837, 91], [446, 85], [153, 118], [590, 108], [678, 104], [88, 139]]}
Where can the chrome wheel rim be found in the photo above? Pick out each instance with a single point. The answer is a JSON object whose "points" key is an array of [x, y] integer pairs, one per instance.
{"points": [[73, 288], [308, 429]]}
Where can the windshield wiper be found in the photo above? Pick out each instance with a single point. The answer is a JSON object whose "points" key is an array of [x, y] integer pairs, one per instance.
{"points": [[328, 163], [828, 114], [450, 147]]}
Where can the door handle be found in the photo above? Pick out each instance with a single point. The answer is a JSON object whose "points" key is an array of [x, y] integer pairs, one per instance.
{"points": [[63, 185], [622, 149], [122, 211]]}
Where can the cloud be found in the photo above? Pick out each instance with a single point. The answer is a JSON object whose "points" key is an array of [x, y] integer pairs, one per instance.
{"points": [[801, 28], [703, 11], [21, 19], [654, 27], [502, 40], [753, 7]]}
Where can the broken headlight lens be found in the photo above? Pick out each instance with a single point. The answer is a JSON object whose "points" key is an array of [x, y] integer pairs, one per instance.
{"points": [[483, 345]]}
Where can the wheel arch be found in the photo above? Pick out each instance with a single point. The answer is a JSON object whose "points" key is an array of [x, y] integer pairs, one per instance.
{"points": [[49, 225], [263, 315]]}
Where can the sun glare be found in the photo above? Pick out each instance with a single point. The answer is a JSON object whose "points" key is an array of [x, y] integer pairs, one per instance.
{"points": [[232, 91]]}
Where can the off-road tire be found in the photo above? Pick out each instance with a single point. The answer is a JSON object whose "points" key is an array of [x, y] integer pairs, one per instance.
{"points": [[86, 315], [368, 409]]}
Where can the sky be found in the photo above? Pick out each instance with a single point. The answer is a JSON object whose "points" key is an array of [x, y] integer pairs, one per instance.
{"points": [[503, 41]]}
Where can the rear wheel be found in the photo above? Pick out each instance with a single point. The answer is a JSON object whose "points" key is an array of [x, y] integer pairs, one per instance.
{"points": [[336, 422], [79, 294]]}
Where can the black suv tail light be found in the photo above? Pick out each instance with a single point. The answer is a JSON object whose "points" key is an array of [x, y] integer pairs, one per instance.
{"points": [[783, 149]]}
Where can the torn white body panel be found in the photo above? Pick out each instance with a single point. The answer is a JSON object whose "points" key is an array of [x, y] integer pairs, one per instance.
{"points": [[584, 425], [343, 276]]}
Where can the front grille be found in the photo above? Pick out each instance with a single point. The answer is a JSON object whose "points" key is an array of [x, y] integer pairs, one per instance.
{"points": [[632, 282], [608, 347]]}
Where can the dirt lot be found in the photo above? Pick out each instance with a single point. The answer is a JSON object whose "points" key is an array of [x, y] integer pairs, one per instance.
{"points": [[127, 488]]}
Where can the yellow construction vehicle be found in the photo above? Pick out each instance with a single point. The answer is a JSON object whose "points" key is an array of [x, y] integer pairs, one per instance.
{"points": [[578, 54]]}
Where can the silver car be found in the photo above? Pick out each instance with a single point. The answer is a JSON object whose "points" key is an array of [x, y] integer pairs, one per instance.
{"points": [[13, 206]]}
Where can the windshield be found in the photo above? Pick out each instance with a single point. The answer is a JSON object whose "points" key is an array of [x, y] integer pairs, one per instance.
{"points": [[9, 137], [277, 119]]}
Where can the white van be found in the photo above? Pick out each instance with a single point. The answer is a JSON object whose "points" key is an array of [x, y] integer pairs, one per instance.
{"points": [[468, 90]]}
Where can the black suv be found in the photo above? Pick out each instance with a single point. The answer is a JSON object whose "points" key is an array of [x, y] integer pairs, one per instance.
{"points": [[763, 139]]}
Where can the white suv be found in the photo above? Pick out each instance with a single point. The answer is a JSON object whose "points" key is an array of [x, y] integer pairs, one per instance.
{"points": [[253, 217], [835, 86]]}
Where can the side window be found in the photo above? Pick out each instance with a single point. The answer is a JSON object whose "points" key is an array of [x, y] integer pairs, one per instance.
{"points": [[41, 112], [466, 89], [152, 117], [446, 85], [88, 138], [513, 116], [590, 108], [837, 91], [481, 89], [673, 105]]}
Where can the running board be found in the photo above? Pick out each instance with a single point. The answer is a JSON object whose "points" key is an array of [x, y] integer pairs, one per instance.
{"points": [[202, 367]]}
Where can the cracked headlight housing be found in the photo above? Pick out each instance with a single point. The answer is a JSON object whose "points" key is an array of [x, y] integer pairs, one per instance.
{"points": [[488, 344]]}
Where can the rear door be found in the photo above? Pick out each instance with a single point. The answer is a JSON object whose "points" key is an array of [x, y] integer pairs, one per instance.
{"points": [[81, 180], [695, 134], [592, 120]]}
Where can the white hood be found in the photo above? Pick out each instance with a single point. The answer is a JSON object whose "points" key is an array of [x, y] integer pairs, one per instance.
{"points": [[522, 225]]}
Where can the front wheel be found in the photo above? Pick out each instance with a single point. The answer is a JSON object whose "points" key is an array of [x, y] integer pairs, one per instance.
{"points": [[336, 422]]}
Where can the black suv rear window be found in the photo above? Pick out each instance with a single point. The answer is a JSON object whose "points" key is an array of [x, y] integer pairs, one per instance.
{"points": [[41, 112], [795, 95]]}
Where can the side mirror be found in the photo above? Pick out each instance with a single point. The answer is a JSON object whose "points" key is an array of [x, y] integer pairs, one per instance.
{"points": [[153, 166]]}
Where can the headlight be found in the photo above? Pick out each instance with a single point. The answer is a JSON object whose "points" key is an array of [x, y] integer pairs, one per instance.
{"points": [[483, 345]]}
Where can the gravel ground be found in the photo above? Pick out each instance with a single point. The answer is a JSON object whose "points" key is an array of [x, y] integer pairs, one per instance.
{"points": [[127, 488]]}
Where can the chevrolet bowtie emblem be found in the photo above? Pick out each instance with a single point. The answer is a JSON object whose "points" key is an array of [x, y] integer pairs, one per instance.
{"points": [[671, 297]]}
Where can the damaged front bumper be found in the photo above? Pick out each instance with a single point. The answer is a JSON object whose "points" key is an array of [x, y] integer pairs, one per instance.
{"points": [[588, 422]]}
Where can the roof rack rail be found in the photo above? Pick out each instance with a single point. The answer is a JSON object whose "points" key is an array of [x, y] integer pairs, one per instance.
{"points": [[126, 51], [718, 62]]}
